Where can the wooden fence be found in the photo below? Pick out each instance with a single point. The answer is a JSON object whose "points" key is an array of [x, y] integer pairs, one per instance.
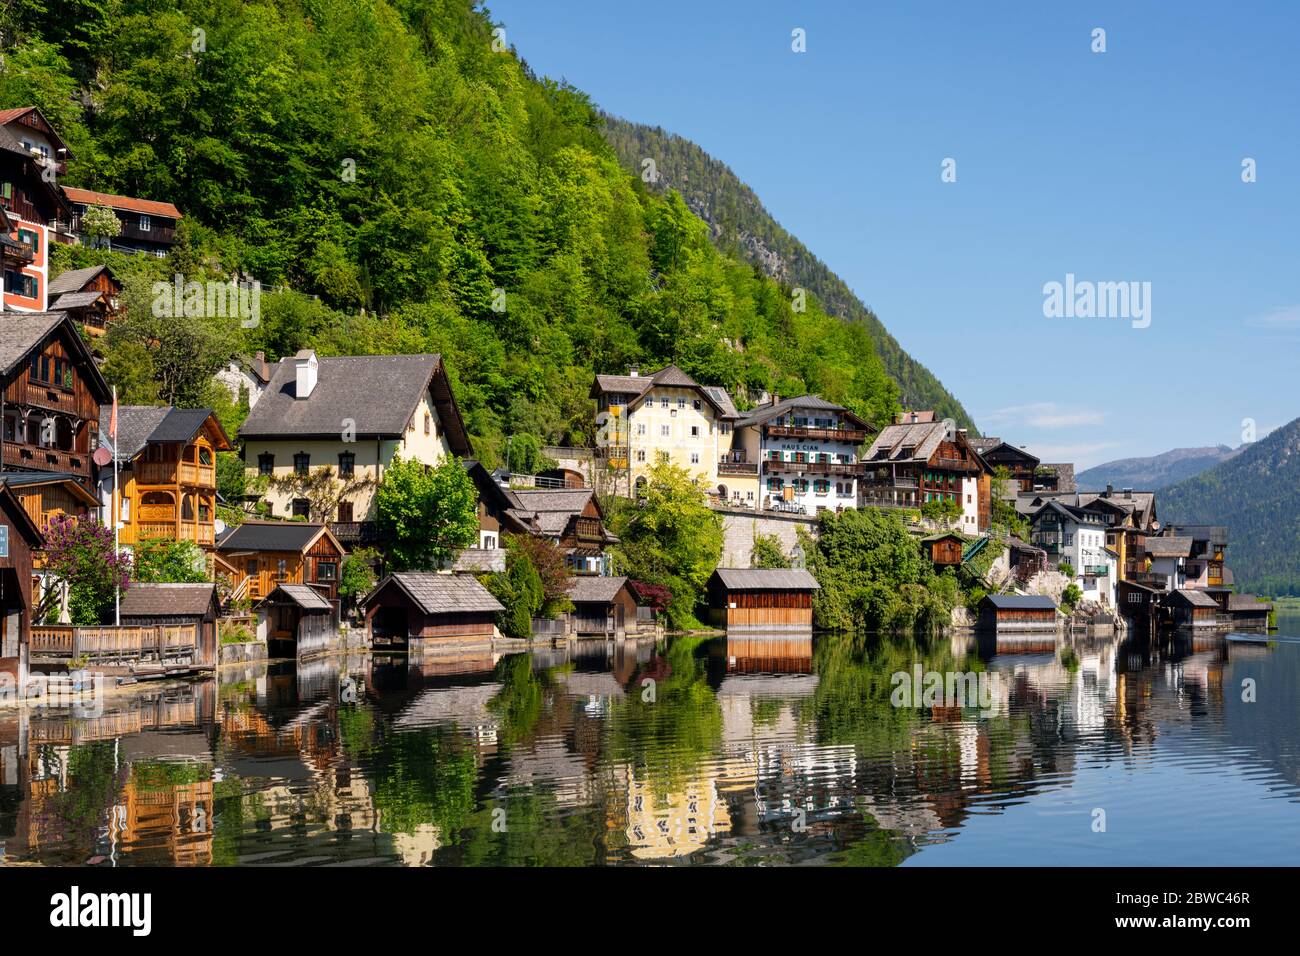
{"points": [[113, 643]]}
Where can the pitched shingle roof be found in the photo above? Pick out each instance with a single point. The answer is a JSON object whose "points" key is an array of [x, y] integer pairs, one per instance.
{"points": [[138, 425], [589, 589], [163, 600], [480, 559], [74, 280], [551, 508], [1247, 602], [435, 593], [269, 536], [307, 598], [75, 300], [1021, 602], [1194, 598], [377, 393], [1159, 546], [670, 376], [814, 403], [151, 207], [766, 579], [893, 440]]}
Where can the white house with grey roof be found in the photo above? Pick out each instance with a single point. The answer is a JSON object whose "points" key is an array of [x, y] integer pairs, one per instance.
{"points": [[641, 418], [352, 415], [806, 452]]}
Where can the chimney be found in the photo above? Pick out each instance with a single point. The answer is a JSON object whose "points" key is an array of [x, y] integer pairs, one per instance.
{"points": [[1128, 493], [634, 371], [1110, 490], [305, 367]]}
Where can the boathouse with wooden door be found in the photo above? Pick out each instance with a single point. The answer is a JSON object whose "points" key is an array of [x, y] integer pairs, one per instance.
{"points": [[1017, 612], [762, 599], [296, 620], [409, 608], [1192, 608], [163, 606], [19, 536], [602, 606]]}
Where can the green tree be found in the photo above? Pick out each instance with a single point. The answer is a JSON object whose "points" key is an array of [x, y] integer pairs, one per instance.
{"points": [[519, 589], [101, 225], [672, 539], [357, 575], [426, 516], [767, 552], [163, 560]]}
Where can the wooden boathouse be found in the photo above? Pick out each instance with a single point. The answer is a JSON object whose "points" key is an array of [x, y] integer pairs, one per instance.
{"points": [[602, 606], [1017, 612], [1192, 608], [412, 607], [945, 549], [176, 605], [296, 620], [762, 599]]}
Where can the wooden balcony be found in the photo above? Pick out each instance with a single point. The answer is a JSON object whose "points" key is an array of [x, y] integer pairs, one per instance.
{"points": [[164, 235], [21, 208], [354, 533], [877, 482], [40, 458], [853, 435], [729, 467], [201, 534], [176, 473], [850, 469]]}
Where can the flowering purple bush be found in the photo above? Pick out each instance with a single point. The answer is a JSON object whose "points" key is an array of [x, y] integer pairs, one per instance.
{"points": [[79, 553]]}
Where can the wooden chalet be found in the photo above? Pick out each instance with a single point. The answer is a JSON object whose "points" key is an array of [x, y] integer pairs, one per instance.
{"points": [[1017, 612], [1020, 464], [19, 537], [911, 464], [945, 549], [296, 620], [499, 512], [1140, 602], [167, 473], [754, 599], [1191, 608], [258, 556], [91, 296], [148, 226], [160, 605], [52, 393], [572, 519], [602, 606], [46, 496], [414, 607]]}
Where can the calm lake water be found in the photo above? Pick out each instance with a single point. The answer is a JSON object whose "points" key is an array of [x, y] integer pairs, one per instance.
{"points": [[689, 751]]}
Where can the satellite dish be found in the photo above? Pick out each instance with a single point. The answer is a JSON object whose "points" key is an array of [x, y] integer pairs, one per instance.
{"points": [[102, 456], [218, 526]]}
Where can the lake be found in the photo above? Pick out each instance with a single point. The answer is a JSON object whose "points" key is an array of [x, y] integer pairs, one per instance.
{"points": [[689, 751]]}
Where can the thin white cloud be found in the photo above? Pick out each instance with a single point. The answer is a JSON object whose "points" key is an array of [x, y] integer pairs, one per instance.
{"points": [[1043, 415], [1082, 456], [1283, 319]]}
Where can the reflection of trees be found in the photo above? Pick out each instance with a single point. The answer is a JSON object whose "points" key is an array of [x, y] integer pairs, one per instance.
{"points": [[519, 703], [535, 833], [418, 776], [675, 732], [91, 781]]}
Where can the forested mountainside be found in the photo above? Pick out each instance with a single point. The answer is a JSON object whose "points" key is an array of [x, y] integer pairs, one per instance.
{"points": [[1257, 495], [1157, 471], [741, 227], [403, 184]]}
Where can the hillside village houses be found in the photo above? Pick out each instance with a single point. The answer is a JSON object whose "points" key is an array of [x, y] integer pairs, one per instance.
{"points": [[321, 432]]}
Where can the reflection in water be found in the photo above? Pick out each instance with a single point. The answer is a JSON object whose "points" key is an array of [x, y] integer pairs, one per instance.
{"points": [[696, 750]]}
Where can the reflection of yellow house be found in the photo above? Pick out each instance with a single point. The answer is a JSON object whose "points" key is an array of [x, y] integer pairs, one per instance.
{"points": [[167, 473], [673, 825]]}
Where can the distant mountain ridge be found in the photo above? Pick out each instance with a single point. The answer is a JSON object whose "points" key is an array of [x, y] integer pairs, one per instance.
{"points": [[1157, 471], [1256, 493], [742, 227]]}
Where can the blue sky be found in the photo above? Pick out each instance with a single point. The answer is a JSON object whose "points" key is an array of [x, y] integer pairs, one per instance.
{"points": [[1122, 166]]}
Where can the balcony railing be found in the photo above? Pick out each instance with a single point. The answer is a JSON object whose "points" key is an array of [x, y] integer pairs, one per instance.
{"points": [[171, 473], [726, 467], [40, 458], [855, 435], [352, 533], [875, 481], [851, 469]]}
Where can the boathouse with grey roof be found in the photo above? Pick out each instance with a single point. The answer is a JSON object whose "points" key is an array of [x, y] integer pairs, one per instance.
{"points": [[408, 608], [762, 599]]}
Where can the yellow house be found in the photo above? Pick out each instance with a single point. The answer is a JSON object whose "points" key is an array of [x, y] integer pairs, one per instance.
{"points": [[665, 413], [167, 473], [325, 429]]}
